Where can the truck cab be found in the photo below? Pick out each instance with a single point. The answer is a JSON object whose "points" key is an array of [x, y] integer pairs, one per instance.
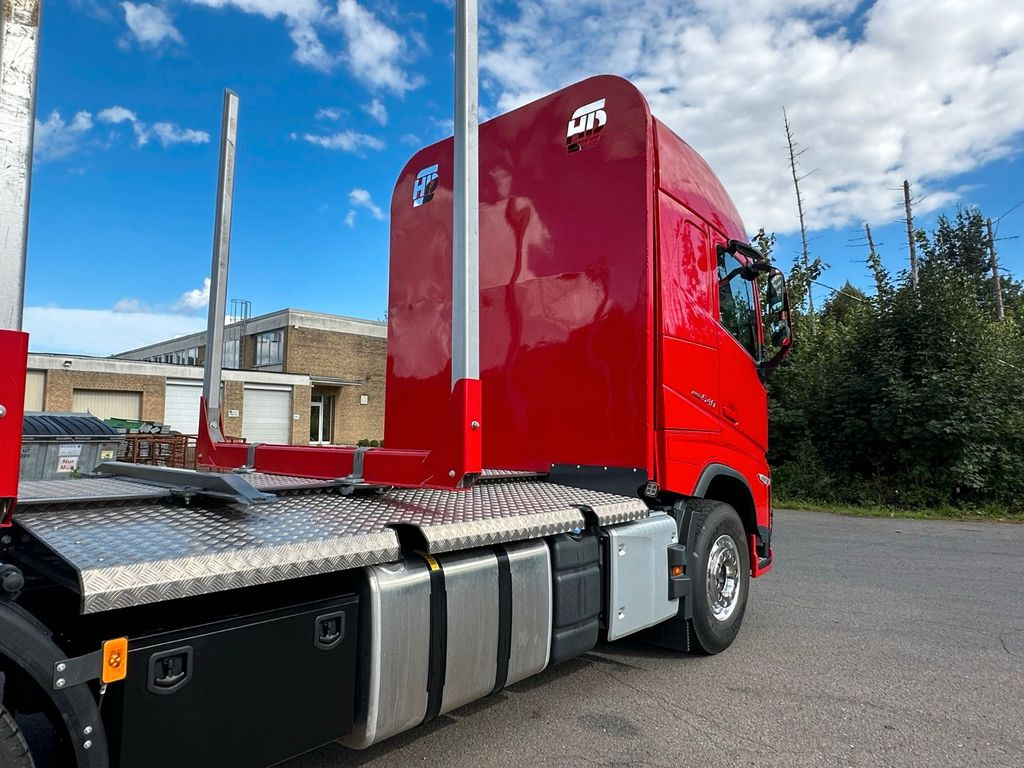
{"points": [[621, 341]]}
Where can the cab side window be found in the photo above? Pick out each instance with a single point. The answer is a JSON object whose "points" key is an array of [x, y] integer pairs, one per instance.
{"points": [[736, 309]]}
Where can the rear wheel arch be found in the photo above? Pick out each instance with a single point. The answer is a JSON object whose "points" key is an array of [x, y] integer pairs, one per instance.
{"points": [[28, 653]]}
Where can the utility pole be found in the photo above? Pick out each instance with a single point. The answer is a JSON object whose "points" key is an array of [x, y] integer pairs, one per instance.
{"points": [[910, 234], [800, 209], [996, 282]]}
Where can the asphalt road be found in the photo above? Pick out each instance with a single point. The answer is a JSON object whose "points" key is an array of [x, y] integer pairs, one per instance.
{"points": [[872, 643]]}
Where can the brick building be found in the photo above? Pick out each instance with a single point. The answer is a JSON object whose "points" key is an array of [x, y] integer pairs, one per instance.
{"points": [[344, 359]]}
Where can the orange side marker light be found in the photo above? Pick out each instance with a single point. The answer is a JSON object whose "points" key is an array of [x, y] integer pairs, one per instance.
{"points": [[115, 660]]}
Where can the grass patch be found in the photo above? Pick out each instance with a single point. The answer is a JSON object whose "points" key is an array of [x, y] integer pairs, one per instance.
{"points": [[992, 512]]}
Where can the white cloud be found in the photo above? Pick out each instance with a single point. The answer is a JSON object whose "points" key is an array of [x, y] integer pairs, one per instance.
{"points": [[411, 139], [130, 305], [54, 138], [101, 331], [373, 51], [360, 198], [195, 299], [150, 25], [901, 89], [346, 141], [169, 133], [350, 219], [328, 113], [377, 111], [300, 16], [166, 133], [116, 114]]}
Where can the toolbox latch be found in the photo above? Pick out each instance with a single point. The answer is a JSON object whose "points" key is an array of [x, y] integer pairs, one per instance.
{"points": [[169, 671], [330, 630]]}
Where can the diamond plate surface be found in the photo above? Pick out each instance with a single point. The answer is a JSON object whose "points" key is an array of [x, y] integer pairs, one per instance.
{"points": [[498, 475], [86, 489], [262, 481], [133, 553]]}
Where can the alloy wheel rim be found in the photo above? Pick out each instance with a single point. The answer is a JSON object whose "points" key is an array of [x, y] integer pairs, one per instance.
{"points": [[723, 577]]}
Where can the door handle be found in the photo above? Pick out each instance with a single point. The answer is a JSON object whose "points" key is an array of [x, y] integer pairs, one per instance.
{"points": [[730, 413]]}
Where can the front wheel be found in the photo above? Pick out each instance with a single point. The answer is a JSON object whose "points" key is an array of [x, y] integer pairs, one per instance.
{"points": [[13, 749], [720, 569]]}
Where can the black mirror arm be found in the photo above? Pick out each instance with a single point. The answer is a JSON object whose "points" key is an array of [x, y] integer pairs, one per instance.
{"points": [[768, 366]]}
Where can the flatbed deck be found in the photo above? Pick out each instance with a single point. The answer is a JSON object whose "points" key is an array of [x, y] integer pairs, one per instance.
{"points": [[120, 551]]}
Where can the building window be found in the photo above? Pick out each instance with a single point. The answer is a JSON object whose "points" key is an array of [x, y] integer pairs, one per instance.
{"points": [[230, 358], [269, 348]]}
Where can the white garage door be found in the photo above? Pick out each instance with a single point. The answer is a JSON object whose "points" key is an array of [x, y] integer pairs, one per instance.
{"points": [[107, 404], [267, 414], [181, 405]]}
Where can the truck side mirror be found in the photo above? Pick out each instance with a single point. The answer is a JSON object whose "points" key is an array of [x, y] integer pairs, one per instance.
{"points": [[778, 331]]}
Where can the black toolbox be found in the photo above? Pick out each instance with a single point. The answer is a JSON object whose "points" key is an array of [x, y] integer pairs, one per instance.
{"points": [[243, 693]]}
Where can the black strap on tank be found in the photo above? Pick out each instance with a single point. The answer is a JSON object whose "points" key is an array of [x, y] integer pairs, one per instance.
{"points": [[504, 617], [438, 659]]}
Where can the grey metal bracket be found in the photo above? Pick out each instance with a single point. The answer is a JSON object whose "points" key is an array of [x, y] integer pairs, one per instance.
{"points": [[188, 483], [83, 669]]}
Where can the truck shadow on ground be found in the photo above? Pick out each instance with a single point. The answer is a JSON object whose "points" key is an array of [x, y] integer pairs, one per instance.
{"points": [[619, 655]]}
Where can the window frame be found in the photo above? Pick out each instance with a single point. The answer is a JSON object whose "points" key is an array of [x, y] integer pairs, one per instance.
{"points": [[721, 264], [270, 340]]}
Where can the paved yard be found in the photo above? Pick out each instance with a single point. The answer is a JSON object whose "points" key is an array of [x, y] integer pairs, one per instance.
{"points": [[872, 643]]}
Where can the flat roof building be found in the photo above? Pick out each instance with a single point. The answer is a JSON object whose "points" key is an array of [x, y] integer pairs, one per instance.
{"points": [[290, 376]]}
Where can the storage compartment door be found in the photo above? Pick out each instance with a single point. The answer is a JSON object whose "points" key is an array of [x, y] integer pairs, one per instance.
{"points": [[246, 694]]}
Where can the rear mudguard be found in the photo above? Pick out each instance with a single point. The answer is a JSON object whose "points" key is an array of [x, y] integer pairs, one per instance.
{"points": [[28, 646]]}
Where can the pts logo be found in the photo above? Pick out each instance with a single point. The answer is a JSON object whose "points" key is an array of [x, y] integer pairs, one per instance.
{"points": [[585, 124], [425, 186]]}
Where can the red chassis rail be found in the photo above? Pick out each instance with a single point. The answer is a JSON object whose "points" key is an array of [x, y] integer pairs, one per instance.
{"points": [[14, 353], [454, 462]]}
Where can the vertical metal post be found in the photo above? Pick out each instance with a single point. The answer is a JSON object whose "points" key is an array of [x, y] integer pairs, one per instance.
{"points": [[19, 51], [219, 265], [19, 54], [466, 223]]}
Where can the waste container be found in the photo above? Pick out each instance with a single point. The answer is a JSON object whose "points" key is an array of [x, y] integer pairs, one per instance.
{"points": [[63, 445]]}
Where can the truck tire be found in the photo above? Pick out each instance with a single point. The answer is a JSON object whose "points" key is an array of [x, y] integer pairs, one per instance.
{"points": [[13, 749], [721, 576]]}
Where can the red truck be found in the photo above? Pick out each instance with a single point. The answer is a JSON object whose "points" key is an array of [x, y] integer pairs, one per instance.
{"points": [[602, 476]]}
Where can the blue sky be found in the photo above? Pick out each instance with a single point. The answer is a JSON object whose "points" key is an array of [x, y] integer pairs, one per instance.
{"points": [[336, 96]]}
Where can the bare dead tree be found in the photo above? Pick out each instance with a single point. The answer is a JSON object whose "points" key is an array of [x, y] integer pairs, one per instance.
{"points": [[805, 255]]}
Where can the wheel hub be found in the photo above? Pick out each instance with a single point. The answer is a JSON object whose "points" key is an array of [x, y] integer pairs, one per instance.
{"points": [[723, 577]]}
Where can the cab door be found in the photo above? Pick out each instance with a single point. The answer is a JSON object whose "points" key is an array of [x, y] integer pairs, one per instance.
{"points": [[743, 402]]}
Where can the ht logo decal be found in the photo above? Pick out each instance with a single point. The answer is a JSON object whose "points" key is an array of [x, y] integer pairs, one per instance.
{"points": [[425, 186], [584, 124]]}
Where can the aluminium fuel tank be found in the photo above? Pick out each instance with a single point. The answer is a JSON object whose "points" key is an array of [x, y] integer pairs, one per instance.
{"points": [[438, 633]]}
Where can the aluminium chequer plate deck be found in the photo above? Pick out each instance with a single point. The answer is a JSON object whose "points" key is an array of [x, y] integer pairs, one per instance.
{"points": [[129, 553]]}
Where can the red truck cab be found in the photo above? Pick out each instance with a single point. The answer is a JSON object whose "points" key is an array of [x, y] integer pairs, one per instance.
{"points": [[620, 345]]}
